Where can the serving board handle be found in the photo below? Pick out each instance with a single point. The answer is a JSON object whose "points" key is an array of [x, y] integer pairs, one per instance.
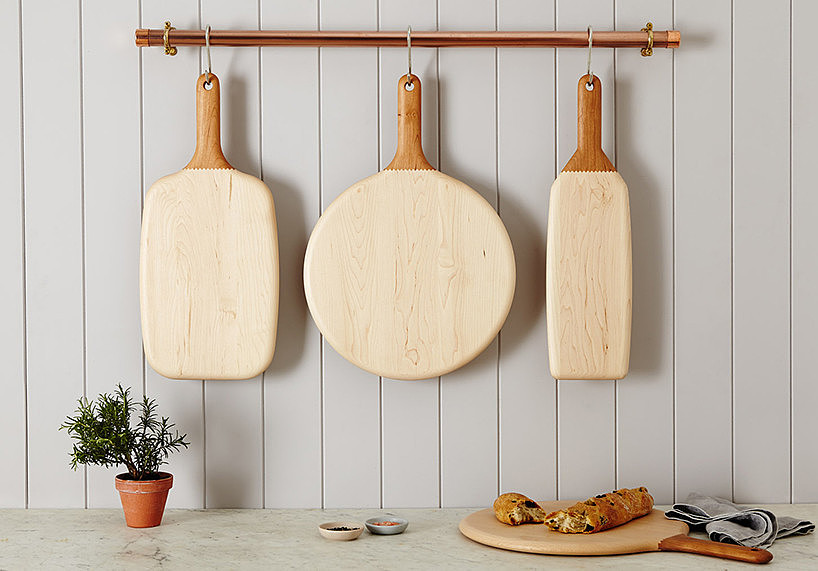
{"points": [[208, 153], [687, 544], [409, 154], [589, 155]]}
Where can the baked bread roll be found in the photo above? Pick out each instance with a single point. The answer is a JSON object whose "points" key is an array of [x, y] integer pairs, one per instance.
{"points": [[514, 509], [602, 512]]}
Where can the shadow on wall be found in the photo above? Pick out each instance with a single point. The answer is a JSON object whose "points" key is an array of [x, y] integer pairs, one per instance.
{"points": [[235, 139], [528, 307], [227, 484], [293, 316], [648, 241], [292, 233]]}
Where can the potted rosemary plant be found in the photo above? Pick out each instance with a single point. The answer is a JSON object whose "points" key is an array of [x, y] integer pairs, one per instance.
{"points": [[104, 436]]}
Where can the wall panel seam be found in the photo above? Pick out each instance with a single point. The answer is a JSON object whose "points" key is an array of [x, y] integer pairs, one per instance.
{"points": [[379, 159], [261, 176], [792, 360], [499, 440], [556, 170], [616, 382], [140, 64], [732, 253], [83, 257], [673, 245], [23, 238], [320, 210]]}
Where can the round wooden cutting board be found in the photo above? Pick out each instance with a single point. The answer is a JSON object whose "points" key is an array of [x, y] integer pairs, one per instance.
{"points": [[409, 273], [642, 534]]}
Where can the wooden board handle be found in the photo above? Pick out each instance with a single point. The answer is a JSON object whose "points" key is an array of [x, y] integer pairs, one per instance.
{"points": [[589, 155], [687, 544], [208, 154], [409, 154]]}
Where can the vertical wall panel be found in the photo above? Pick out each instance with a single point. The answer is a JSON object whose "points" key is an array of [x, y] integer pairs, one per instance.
{"points": [[12, 352], [468, 152], [409, 409], [645, 396], [804, 259], [111, 105], [54, 239], [290, 109], [169, 132], [233, 409], [586, 453], [761, 256], [703, 349], [349, 152], [525, 170]]}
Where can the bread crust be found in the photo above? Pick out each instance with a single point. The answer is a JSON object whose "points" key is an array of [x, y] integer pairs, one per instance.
{"points": [[602, 512], [515, 509]]}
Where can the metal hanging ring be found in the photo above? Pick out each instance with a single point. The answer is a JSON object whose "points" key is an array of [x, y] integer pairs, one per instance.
{"points": [[408, 84], [207, 49], [648, 50], [590, 73]]}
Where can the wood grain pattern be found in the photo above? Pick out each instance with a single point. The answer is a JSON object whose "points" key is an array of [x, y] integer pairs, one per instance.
{"points": [[653, 532], [588, 257], [209, 275], [208, 153], [409, 274], [589, 155], [588, 276], [409, 154]]}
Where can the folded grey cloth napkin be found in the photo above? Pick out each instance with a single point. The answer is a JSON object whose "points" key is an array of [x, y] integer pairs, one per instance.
{"points": [[726, 522]]}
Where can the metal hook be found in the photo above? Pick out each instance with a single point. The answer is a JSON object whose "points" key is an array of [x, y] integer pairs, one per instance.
{"points": [[169, 49], [207, 48], [589, 73], [648, 50], [408, 84]]}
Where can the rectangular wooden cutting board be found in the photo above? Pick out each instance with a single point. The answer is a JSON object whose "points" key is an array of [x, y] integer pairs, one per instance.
{"points": [[588, 257], [209, 263]]}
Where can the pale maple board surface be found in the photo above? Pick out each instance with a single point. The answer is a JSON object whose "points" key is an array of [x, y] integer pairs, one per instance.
{"points": [[588, 276], [641, 534], [409, 274], [209, 275]]}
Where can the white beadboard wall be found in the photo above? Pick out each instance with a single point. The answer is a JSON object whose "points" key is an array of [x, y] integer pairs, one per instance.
{"points": [[714, 140]]}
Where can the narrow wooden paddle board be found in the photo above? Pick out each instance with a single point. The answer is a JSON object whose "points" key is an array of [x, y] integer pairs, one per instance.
{"points": [[209, 263], [409, 273], [653, 532], [588, 257]]}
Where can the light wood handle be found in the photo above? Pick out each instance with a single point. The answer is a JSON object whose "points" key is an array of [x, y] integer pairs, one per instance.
{"points": [[208, 154], [589, 155], [409, 154], [687, 544]]}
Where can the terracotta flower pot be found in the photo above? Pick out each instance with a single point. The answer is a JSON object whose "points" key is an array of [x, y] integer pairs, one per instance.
{"points": [[143, 500]]}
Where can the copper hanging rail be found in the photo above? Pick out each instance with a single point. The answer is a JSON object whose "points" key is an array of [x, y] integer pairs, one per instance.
{"points": [[325, 38]]}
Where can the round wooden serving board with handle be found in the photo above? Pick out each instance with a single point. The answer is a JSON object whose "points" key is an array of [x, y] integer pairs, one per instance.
{"points": [[409, 273], [208, 263], [653, 532]]}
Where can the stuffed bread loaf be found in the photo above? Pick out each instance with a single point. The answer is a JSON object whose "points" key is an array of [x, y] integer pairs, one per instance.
{"points": [[602, 512], [513, 508]]}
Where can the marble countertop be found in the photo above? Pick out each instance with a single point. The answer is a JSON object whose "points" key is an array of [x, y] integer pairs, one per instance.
{"points": [[250, 539]]}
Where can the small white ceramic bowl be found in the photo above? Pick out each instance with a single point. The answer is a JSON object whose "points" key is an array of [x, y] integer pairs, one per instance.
{"points": [[401, 526], [349, 530]]}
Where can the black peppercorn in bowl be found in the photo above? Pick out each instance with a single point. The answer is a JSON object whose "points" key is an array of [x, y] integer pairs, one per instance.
{"points": [[341, 530]]}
